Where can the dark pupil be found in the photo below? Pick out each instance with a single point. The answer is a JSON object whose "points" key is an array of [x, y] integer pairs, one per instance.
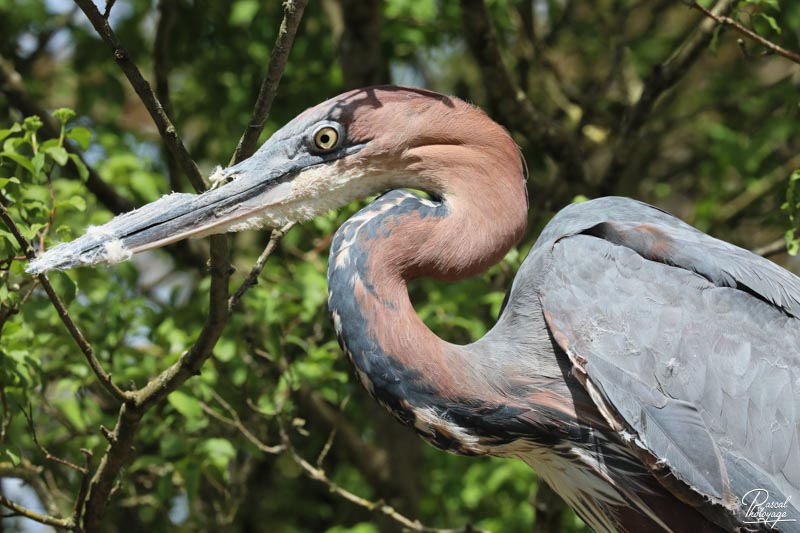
{"points": [[324, 139]]}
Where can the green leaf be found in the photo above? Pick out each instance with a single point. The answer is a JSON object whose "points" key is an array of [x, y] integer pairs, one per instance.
{"points": [[64, 286], [76, 202], [30, 232], [71, 408], [772, 3], [58, 154], [220, 453], [186, 405], [14, 457], [19, 159], [81, 135], [792, 243], [83, 171], [6, 181], [243, 12], [16, 128], [49, 143], [38, 164], [225, 350], [772, 22]]}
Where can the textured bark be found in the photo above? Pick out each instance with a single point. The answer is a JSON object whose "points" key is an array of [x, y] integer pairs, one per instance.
{"points": [[509, 104], [549, 509], [360, 51], [663, 77]]}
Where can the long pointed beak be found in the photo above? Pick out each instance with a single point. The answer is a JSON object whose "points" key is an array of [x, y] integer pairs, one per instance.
{"points": [[252, 190]]}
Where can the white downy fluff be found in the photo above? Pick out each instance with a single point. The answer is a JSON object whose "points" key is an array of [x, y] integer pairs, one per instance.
{"points": [[115, 251]]}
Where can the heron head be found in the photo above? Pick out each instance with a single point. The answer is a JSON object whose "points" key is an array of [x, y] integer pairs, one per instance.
{"points": [[355, 145]]}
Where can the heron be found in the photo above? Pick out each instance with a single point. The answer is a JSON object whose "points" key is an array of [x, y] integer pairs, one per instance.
{"points": [[648, 372]]}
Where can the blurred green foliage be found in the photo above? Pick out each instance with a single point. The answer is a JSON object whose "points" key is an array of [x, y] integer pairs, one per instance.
{"points": [[792, 208], [717, 151]]}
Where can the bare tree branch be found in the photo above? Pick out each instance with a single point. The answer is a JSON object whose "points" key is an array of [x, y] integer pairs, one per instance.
{"points": [[320, 475], [66, 523], [371, 461], [549, 508], [292, 14], [109, 5], [775, 247], [360, 52], [161, 68], [728, 21], [662, 77], [512, 105], [252, 278], [142, 88], [732, 209], [120, 449], [117, 455], [83, 490], [30, 474], [235, 421]]}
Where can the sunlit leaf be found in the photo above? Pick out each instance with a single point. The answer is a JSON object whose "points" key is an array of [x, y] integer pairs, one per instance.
{"points": [[83, 172], [185, 404], [81, 135], [6, 181], [64, 285], [58, 154], [19, 159]]}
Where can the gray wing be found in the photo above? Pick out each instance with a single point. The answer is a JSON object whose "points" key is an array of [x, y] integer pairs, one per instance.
{"points": [[689, 345]]}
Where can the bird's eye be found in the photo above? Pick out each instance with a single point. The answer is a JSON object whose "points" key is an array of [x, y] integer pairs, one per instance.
{"points": [[326, 138]]}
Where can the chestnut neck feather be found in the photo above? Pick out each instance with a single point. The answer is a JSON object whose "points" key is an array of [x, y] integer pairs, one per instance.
{"points": [[398, 237]]}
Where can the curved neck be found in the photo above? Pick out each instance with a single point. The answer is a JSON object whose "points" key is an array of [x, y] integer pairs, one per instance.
{"points": [[400, 236]]}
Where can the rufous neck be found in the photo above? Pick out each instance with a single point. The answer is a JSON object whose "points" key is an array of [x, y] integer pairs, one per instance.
{"points": [[401, 236]]}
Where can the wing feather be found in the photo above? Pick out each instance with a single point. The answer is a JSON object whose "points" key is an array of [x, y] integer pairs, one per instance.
{"points": [[692, 342]]}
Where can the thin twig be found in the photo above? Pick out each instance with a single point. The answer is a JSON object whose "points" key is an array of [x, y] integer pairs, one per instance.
{"points": [[52, 216], [326, 448], [120, 449], [775, 247], [756, 190], [292, 14], [83, 491], [663, 77], [66, 523], [30, 474], [252, 278], [161, 68], [145, 92], [320, 475], [49, 456], [728, 21], [513, 106], [107, 11], [236, 422], [329, 443], [63, 314]]}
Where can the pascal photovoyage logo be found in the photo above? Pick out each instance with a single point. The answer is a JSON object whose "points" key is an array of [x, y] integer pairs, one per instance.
{"points": [[759, 508]]}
